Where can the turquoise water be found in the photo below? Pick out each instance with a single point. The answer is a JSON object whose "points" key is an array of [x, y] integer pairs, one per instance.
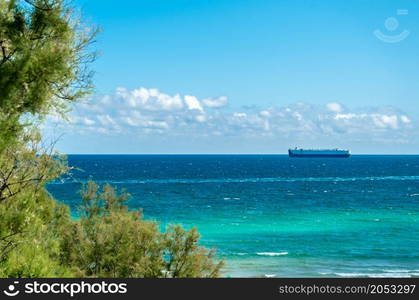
{"points": [[274, 215]]}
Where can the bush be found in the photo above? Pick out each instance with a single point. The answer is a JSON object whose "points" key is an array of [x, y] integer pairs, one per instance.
{"points": [[29, 228], [110, 241], [30, 219]]}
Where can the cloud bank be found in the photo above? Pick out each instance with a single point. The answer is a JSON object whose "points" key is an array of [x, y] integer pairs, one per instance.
{"points": [[144, 112]]}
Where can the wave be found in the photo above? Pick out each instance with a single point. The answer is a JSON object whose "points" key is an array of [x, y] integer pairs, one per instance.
{"points": [[245, 180], [272, 253], [378, 275]]}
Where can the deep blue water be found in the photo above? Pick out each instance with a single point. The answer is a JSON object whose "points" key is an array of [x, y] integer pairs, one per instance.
{"points": [[270, 214]]}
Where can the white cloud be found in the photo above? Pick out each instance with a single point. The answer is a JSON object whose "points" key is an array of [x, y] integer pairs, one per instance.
{"points": [[265, 113], [106, 120], [143, 112], [146, 99], [297, 115], [239, 115], [405, 119], [384, 121], [87, 121], [349, 116], [334, 107], [193, 103], [201, 118], [215, 103]]}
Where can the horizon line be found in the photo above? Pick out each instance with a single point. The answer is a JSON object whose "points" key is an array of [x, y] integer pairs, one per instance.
{"points": [[357, 154]]}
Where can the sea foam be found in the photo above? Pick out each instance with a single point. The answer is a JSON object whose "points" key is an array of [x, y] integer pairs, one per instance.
{"points": [[272, 253], [376, 275]]}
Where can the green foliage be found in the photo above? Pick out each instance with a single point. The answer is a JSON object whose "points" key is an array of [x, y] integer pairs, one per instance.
{"points": [[29, 225], [43, 61], [110, 241], [25, 206], [185, 258], [28, 165]]}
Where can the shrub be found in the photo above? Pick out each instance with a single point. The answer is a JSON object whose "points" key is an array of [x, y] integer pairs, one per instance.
{"points": [[110, 241]]}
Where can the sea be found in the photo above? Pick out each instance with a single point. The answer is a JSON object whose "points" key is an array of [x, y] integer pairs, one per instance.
{"points": [[271, 215]]}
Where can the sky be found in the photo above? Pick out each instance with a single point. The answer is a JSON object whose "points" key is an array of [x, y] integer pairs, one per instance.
{"points": [[196, 76]]}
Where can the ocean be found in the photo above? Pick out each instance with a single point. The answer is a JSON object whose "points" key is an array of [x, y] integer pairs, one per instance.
{"points": [[271, 215]]}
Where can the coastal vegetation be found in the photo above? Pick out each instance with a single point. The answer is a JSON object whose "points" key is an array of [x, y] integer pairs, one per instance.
{"points": [[45, 54]]}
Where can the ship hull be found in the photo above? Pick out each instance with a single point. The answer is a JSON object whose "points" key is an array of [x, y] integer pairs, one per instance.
{"points": [[329, 154], [320, 155]]}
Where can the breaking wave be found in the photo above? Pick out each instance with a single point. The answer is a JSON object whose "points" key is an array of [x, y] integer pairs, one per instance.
{"points": [[272, 253]]}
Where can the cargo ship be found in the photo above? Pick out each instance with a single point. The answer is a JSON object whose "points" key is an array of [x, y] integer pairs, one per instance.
{"points": [[299, 152]]}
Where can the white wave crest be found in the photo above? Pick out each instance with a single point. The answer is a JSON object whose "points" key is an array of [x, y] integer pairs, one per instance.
{"points": [[272, 253], [376, 275]]}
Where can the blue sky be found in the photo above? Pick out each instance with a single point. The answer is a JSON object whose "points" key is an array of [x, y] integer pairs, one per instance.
{"points": [[251, 76]]}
